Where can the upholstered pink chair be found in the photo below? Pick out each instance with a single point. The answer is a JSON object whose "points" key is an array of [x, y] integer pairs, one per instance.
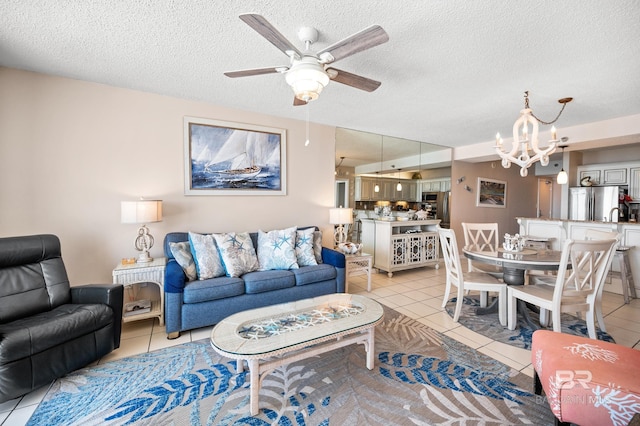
{"points": [[586, 381]]}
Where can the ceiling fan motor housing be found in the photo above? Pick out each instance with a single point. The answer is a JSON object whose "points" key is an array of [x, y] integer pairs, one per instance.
{"points": [[307, 78]]}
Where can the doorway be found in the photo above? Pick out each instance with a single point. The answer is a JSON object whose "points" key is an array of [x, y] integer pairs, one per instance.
{"points": [[545, 198], [342, 193]]}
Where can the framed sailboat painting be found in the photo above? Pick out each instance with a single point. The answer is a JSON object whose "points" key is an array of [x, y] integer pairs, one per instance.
{"points": [[226, 158]]}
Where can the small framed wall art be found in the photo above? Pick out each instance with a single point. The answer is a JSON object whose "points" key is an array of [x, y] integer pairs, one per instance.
{"points": [[491, 193], [226, 158]]}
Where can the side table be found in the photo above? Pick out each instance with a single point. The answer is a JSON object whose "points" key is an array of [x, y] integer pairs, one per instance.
{"points": [[358, 264], [143, 281]]}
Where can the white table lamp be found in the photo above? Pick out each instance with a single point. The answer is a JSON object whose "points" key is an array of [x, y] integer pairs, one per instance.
{"points": [[340, 216], [142, 211]]}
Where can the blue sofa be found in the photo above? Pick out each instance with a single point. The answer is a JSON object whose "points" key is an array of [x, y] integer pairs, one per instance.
{"points": [[200, 303]]}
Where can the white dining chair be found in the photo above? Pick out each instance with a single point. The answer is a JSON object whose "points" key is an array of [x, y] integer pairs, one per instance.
{"points": [[597, 234], [481, 234], [583, 267], [465, 281]]}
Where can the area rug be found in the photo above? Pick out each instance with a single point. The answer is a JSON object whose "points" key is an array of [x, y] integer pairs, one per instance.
{"points": [[420, 377], [488, 325]]}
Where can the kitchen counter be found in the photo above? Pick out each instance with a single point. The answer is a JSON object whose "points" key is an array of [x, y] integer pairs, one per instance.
{"points": [[558, 230], [579, 221]]}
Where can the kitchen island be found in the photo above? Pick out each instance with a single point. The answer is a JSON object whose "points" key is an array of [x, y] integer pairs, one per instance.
{"points": [[401, 244], [558, 230]]}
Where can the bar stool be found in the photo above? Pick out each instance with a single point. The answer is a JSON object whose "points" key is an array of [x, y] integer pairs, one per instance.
{"points": [[626, 276]]}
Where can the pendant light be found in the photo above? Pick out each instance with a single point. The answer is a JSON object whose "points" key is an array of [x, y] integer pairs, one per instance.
{"points": [[377, 187], [562, 177], [399, 185]]}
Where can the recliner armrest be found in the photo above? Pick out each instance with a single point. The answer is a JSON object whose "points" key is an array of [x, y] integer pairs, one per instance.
{"points": [[108, 294]]}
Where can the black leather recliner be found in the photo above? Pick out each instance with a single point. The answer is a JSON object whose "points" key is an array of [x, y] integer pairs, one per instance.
{"points": [[47, 327]]}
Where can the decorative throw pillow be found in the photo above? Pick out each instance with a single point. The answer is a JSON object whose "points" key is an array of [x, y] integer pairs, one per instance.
{"points": [[182, 253], [317, 246], [276, 249], [304, 247], [205, 253], [237, 252]]}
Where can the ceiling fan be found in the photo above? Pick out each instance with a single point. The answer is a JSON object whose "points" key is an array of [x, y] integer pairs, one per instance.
{"points": [[308, 73]]}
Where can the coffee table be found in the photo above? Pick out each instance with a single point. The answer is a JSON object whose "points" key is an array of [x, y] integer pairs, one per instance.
{"points": [[270, 337]]}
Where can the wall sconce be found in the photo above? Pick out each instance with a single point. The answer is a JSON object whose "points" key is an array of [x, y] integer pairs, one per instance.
{"points": [[142, 211]]}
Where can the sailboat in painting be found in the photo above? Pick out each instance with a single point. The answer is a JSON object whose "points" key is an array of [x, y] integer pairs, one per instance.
{"points": [[241, 148]]}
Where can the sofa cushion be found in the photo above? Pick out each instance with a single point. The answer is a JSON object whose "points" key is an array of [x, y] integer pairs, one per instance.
{"points": [[317, 246], [314, 274], [28, 336], [237, 252], [212, 289], [261, 281], [276, 249], [182, 253], [304, 247], [205, 254]]}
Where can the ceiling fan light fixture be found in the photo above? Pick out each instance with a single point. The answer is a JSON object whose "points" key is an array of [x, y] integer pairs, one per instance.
{"points": [[307, 79]]}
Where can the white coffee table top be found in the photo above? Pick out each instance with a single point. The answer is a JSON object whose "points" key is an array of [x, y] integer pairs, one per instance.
{"points": [[287, 326]]}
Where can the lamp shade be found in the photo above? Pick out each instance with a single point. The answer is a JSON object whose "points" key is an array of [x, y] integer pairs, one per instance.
{"points": [[339, 216], [141, 211]]}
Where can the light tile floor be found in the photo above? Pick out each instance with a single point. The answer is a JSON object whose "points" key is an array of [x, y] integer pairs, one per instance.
{"points": [[416, 293]]}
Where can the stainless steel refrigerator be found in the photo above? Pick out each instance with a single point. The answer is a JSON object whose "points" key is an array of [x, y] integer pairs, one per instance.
{"points": [[439, 202], [597, 203]]}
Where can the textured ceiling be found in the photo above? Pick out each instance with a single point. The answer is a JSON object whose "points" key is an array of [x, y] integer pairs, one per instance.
{"points": [[453, 72]]}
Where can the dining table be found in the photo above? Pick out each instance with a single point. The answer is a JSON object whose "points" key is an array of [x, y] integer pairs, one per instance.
{"points": [[514, 266]]}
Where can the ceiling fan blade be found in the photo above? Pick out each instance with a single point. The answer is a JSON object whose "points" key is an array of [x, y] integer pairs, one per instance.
{"points": [[247, 73], [354, 80], [268, 31], [298, 102], [363, 40]]}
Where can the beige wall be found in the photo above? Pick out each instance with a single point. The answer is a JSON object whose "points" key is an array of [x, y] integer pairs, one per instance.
{"points": [[70, 151], [522, 196]]}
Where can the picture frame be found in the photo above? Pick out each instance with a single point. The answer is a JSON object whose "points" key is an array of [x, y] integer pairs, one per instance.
{"points": [[491, 193], [228, 158]]}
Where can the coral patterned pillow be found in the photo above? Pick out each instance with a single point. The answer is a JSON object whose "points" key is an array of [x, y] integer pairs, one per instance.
{"points": [[304, 247], [276, 249], [205, 254], [182, 253], [237, 252]]}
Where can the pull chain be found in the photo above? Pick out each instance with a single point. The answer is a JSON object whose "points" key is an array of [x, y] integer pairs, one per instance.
{"points": [[306, 143]]}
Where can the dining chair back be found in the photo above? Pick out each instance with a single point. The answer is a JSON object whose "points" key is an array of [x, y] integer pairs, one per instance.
{"points": [[465, 281], [598, 234], [482, 234], [583, 267]]}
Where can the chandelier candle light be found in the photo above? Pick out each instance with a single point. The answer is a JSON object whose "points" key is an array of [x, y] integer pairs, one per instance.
{"points": [[142, 212], [530, 151]]}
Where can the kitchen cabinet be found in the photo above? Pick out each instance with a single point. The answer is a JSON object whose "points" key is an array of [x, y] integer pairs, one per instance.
{"points": [[593, 174], [616, 176], [435, 185], [400, 245], [634, 183], [364, 190], [608, 173]]}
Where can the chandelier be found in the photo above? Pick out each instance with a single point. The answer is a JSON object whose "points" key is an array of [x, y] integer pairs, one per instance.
{"points": [[526, 141]]}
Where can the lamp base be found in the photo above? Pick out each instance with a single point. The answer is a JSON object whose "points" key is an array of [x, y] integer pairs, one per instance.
{"points": [[144, 257]]}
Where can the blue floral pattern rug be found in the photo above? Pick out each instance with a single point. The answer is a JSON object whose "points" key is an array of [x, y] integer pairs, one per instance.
{"points": [[420, 377], [488, 325]]}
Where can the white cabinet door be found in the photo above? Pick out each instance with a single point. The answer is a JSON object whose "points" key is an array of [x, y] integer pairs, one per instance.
{"points": [[593, 174], [617, 176], [634, 183]]}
